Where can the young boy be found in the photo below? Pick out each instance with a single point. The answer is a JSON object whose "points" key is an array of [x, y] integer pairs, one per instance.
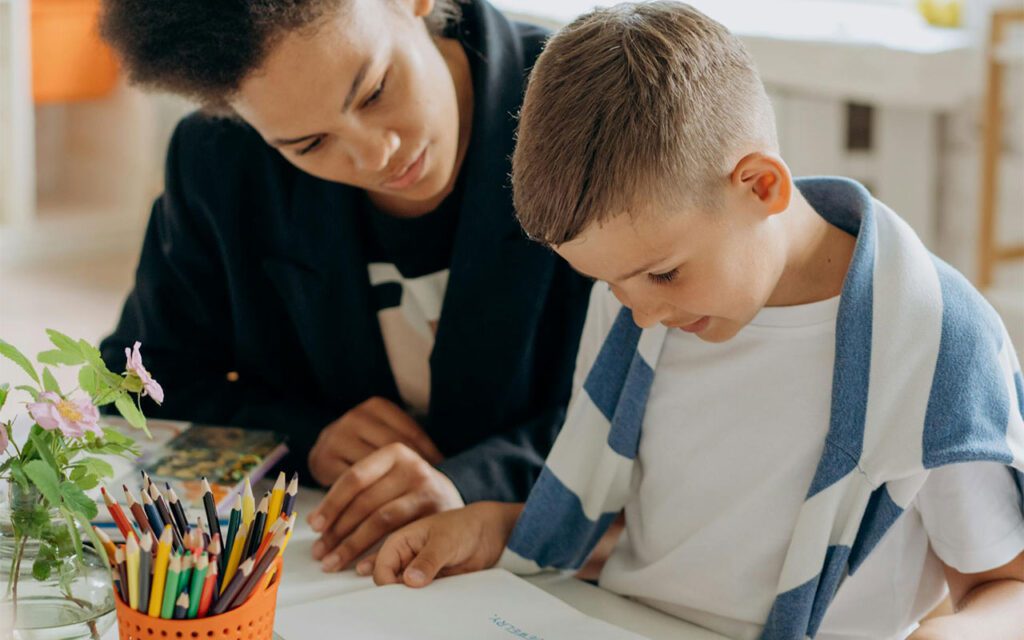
{"points": [[830, 416]]}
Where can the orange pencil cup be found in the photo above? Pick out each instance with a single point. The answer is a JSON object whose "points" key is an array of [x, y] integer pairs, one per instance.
{"points": [[254, 620]]}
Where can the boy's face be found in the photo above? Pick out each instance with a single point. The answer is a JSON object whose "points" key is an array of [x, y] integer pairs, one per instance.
{"points": [[367, 100], [707, 273]]}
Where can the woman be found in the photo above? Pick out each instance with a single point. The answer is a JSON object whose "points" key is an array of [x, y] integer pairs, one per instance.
{"points": [[338, 259]]}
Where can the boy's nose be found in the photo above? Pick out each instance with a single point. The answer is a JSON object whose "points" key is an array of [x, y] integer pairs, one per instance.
{"points": [[647, 319]]}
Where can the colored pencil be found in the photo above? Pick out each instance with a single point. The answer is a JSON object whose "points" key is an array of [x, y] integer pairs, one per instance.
{"points": [[136, 510], [118, 515], [234, 587], [259, 569], [234, 560], [122, 572], [181, 607], [211, 509], [276, 502], [177, 509], [198, 580], [171, 587], [207, 594], [233, 522], [145, 570], [289, 496], [248, 504], [163, 557], [165, 512], [155, 523], [107, 543], [188, 565], [256, 530], [132, 559]]}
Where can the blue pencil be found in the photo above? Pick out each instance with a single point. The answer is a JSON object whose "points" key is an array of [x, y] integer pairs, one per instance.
{"points": [[155, 521]]}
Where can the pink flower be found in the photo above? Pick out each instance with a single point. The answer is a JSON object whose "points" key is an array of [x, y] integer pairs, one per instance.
{"points": [[150, 387], [4, 441], [73, 417]]}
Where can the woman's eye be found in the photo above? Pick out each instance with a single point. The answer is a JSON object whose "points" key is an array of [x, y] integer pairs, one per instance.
{"points": [[663, 278], [311, 146], [376, 92]]}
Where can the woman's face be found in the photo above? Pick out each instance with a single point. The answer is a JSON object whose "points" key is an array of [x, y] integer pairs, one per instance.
{"points": [[365, 99]]}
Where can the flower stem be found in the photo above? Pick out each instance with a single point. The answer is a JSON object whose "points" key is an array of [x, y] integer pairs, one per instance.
{"points": [[20, 541]]}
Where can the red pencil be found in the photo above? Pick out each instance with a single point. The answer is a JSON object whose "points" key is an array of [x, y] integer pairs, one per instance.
{"points": [[117, 514], [206, 598]]}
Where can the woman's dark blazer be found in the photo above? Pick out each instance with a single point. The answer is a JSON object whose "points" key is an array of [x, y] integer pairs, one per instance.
{"points": [[254, 307]]}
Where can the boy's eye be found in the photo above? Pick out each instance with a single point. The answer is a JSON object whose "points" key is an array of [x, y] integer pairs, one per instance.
{"points": [[663, 278], [311, 146]]}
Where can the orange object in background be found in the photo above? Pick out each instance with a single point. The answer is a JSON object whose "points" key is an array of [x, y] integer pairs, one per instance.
{"points": [[69, 61]]}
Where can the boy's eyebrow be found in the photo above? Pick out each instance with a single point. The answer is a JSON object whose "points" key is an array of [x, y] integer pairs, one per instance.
{"points": [[356, 83]]}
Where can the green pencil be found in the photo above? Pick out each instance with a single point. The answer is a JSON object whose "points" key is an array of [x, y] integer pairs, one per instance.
{"points": [[171, 587], [198, 578], [187, 563]]}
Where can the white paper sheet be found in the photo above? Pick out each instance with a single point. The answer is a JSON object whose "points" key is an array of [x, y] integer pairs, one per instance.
{"points": [[489, 605]]}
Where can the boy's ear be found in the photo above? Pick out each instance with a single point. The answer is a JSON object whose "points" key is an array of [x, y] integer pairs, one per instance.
{"points": [[765, 177]]}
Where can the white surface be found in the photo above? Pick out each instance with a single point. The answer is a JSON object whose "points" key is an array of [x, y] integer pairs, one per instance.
{"points": [[478, 606], [304, 583]]}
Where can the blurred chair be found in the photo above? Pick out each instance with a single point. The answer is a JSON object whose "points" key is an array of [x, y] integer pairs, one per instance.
{"points": [[990, 251]]}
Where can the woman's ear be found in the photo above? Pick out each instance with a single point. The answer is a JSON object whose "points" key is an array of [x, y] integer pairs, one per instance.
{"points": [[765, 178], [422, 8]]}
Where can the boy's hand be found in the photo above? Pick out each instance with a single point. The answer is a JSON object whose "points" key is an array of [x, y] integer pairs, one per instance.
{"points": [[450, 543], [386, 490], [364, 429]]}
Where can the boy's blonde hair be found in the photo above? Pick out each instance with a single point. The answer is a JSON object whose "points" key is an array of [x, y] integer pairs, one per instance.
{"points": [[637, 103]]}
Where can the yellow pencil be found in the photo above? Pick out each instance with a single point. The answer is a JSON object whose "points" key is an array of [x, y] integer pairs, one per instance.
{"points": [[291, 530], [234, 559], [276, 500], [248, 504], [163, 555], [132, 558]]}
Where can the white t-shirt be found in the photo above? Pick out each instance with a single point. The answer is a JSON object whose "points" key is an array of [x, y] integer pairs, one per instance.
{"points": [[712, 510]]}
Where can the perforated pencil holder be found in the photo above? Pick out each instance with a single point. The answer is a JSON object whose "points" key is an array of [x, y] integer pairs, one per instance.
{"points": [[254, 620]]}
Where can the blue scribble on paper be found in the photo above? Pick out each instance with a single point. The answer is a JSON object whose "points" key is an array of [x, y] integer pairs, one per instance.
{"points": [[512, 629]]}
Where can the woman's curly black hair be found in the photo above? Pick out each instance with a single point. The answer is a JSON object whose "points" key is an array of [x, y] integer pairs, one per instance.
{"points": [[203, 49]]}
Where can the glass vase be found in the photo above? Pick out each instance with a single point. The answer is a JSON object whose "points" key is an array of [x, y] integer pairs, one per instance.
{"points": [[48, 590]]}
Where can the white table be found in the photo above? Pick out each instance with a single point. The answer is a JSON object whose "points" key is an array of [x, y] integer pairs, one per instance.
{"points": [[305, 582]]}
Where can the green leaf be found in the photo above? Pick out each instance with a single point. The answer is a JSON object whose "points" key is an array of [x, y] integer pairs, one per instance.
{"points": [[5, 390], [30, 522], [44, 563], [77, 501], [103, 398], [49, 382], [96, 467], [11, 353], [45, 478], [130, 412], [18, 473], [41, 441], [58, 357], [88, 380], [95, 360], [63, 342], [87, 482], [32, 391]]}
